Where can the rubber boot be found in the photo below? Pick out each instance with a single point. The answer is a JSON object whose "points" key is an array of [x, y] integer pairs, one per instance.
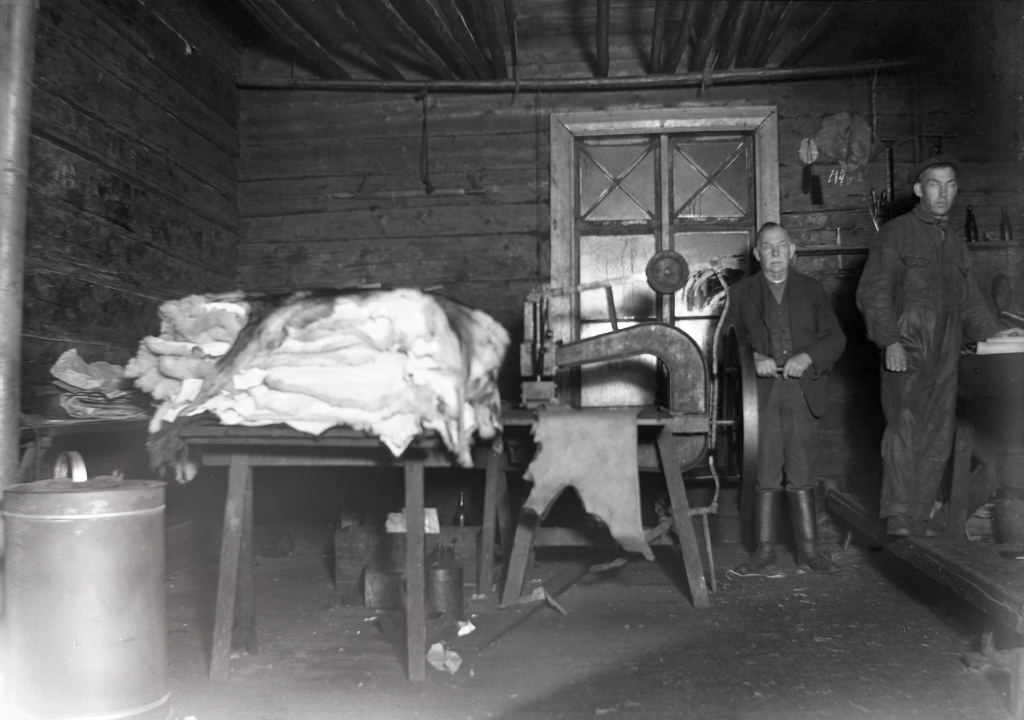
{"points": [[805, 528], [762, 562]]}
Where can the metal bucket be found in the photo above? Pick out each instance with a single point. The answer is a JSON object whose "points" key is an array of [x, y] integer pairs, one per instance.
{"points": [[444, 590], [84, 598]]}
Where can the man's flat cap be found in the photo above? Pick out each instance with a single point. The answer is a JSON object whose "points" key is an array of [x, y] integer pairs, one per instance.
{"points": [[943, 160]]}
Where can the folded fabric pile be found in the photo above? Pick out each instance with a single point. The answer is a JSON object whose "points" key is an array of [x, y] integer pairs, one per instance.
{"points": [[95, 390], [392, 363]]}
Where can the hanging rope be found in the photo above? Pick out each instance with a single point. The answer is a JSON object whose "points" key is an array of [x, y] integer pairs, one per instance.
{"points": [[428, 186]]}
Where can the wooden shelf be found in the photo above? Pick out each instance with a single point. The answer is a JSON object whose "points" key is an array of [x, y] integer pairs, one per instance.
{"points": [[982, 245], [810, 250]]}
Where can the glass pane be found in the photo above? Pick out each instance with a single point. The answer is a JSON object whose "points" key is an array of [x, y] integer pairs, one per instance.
{"points": [[617, 179], [726, 252], [609, 257], [617, 382], [711, 202], [711, 177]]}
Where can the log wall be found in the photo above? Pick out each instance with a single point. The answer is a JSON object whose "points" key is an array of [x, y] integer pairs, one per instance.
{"points": [[132, 181]]}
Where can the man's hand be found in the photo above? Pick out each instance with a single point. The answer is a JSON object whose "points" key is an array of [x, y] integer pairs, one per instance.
{"points": [[796, 366], [1010, 332], [896, 358], [764, 366]]}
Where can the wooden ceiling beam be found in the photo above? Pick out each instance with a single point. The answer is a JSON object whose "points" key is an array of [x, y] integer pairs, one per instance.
{"points": [[352, 25], [659, 24], [821, 24], [762, 19], [462, 37], [603, 9], [494, 30], [512, 25], [408, 33], [682, 39], [709, 35], [782, 23], [738, 26], [471, 14], [295, 37]]}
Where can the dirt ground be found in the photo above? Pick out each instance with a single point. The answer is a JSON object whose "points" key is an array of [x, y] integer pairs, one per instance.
{"points": [[875, 641]]}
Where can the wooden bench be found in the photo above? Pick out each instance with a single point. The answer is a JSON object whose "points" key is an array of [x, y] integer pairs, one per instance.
{"points": [[976, 572]]}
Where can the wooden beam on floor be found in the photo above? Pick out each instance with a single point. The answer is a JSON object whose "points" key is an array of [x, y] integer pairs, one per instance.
{"points": [[974, 571], [493, 626]]}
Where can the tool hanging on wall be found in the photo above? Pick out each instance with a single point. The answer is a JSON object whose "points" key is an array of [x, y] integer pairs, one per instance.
{"points": [[1005, 228], [809, 181], [970, 226], [428, 186], [874, 210], [889, 196]]}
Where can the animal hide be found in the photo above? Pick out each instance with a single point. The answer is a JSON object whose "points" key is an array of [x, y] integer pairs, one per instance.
{"points": [[595, 451], [393, 363]]}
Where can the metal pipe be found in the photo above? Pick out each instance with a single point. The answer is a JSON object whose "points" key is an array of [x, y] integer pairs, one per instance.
{"points": [[17, 28], [641, 82]]}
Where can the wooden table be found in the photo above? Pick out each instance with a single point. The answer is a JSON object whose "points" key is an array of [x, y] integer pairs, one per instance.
{"points": [[241, 449]]}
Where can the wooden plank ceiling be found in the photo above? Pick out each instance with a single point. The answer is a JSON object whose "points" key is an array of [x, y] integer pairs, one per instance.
{"points": [[399, 41]]}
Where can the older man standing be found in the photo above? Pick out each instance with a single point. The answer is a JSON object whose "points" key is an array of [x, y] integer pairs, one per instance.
{"points": [[919, 298], [788, 320]]}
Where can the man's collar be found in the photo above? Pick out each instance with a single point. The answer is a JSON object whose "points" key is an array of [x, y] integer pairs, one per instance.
{"points": [[926, 217]]}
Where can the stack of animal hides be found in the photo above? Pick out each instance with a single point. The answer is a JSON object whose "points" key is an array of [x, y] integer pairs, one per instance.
{"points": [[392, 363]]}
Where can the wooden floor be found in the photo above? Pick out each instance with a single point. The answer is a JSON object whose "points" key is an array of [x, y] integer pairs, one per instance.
{"points": [[874, 641]]}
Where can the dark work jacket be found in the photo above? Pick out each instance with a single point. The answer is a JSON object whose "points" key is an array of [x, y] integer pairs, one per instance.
{"points": [[813, 326], [917, 288]]}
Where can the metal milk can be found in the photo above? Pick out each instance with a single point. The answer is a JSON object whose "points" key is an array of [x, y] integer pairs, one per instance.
{"points": [[84, 598]]}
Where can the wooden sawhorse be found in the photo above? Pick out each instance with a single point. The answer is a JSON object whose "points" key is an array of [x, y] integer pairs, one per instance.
{"points": [[679, 445], [241, 449]]}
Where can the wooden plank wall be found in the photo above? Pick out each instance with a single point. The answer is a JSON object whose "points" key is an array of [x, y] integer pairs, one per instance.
{"points": [[132, 182], [345, 188]]}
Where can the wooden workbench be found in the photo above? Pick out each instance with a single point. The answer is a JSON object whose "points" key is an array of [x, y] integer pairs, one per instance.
{"points": [[241, 449]]}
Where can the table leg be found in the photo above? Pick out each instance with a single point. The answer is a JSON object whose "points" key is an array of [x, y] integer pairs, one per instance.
{"points": [[28, 466], [227, 575], [683, 523], [960, 489], [244, 632], [485, 548], [505, 526], [415, 580]]}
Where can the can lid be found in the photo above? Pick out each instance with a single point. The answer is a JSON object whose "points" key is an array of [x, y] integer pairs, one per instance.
{"points": [[98, 495]]}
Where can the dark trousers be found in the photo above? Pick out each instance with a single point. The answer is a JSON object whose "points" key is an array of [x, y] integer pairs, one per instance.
{"points": [[920, 413], [787, 435]]}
